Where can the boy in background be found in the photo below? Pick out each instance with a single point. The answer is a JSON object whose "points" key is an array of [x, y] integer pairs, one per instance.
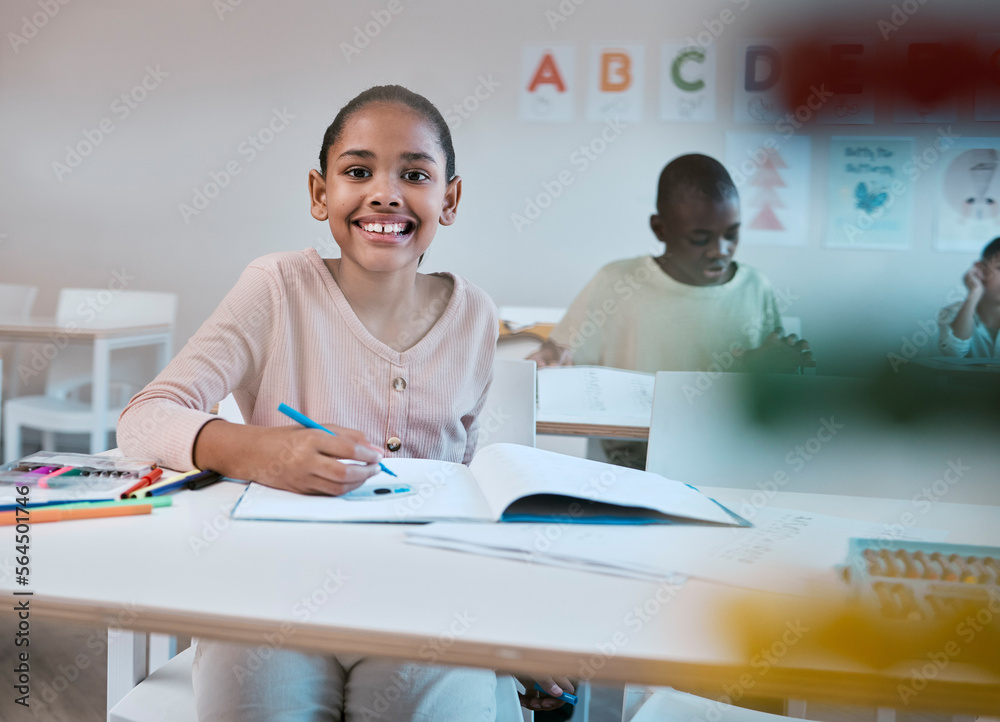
{"points": [[969, 328], [685, 310]]}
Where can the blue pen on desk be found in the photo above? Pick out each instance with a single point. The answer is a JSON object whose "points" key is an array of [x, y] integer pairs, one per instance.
{"points": [[306, 421]]}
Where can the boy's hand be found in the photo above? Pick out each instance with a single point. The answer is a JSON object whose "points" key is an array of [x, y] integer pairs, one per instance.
{"points": [[973, 280], [534, 700], [779, 355], [550, 354], [307, 461]]}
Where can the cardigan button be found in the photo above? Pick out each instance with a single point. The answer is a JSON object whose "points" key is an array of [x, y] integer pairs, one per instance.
{"points": [[399, 383], [393, 444]]}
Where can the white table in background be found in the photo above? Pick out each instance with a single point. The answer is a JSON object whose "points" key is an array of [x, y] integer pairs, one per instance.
{"points": [[104, 339]]}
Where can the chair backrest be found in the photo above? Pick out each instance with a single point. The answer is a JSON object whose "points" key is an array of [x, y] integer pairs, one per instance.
{"points": [[16, 300], [819, 434], [96, 307], [70, 370], [509, 414]]}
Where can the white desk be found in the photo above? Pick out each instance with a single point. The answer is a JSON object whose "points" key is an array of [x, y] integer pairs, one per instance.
{"points": [[189, 569], [105, 339]]}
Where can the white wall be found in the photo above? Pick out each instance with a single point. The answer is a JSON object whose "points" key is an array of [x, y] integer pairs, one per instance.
{"points": [[119, 208]]}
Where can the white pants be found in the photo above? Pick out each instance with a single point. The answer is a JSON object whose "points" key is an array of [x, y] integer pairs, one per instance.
{"points": [[236, 683]]}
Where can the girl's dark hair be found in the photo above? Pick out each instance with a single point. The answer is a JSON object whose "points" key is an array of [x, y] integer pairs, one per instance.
{"points": [[391, 94]]}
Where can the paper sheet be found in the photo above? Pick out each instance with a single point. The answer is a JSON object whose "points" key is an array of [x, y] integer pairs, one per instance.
{"points": [[788, 552], [595, 395], [429, 480]]}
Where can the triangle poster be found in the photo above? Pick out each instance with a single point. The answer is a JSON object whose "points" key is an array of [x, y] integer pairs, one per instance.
{"points": [[772, 174]]}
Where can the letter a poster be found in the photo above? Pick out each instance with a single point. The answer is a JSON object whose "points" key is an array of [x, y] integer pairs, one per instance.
{"points": [[772, 174], [547, 84], [870, 196]]}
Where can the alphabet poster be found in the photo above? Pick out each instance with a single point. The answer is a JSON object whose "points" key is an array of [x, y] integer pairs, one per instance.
{"points": [[967, 195], [922, 57], [547, 84], [988, 88], [687, 82], [848, 98], [772, 174], [759, 66], [617, 83], [870, 198]]}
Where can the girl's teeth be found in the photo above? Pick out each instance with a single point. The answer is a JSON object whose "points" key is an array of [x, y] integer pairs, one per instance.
{"points": [[384, 227]]}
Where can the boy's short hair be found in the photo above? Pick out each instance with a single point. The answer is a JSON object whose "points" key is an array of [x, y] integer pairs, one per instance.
{"points": [[694, 171], [992, 249]]}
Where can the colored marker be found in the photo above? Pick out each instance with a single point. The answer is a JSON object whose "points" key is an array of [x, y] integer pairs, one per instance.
{"points": [[36, 516], [174, 483], [146, 480], [306, 421], [145, 491]]}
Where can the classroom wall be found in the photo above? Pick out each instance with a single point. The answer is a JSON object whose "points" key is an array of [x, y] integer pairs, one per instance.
{"points": [[217, 72]]}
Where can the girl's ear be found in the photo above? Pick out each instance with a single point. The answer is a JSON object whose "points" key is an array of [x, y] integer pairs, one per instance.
{"points": [[317, 196], [452, 195]]}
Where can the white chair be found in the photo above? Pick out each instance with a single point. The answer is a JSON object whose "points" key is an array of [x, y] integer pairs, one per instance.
{"points": [[655, 704], [167, 695], [509, 413], [16, 302], [65, 406]]}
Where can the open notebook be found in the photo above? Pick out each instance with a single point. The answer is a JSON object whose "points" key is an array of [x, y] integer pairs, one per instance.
{"points": [[504, 482]]}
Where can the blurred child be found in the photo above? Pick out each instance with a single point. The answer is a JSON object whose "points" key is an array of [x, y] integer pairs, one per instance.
{"points": [[969, 328], [685, 310]]}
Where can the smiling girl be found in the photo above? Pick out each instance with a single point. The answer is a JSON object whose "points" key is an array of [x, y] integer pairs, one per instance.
{"points": [[398, 363]]}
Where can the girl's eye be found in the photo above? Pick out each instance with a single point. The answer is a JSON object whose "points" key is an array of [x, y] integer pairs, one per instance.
{"points": [[358, 173], [698, 241], [415, 175]]}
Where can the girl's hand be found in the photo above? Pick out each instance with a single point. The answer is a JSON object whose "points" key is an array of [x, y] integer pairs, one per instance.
{"points": [[973, 280], [309, 461], [534, 700], [550, 354]]}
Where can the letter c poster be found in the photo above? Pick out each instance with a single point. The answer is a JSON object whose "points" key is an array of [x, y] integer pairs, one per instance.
{"points": [[687, 82]]}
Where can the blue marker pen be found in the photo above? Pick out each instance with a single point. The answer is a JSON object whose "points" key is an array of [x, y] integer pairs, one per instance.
{"points": [[565, 696], [306, 421]]}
